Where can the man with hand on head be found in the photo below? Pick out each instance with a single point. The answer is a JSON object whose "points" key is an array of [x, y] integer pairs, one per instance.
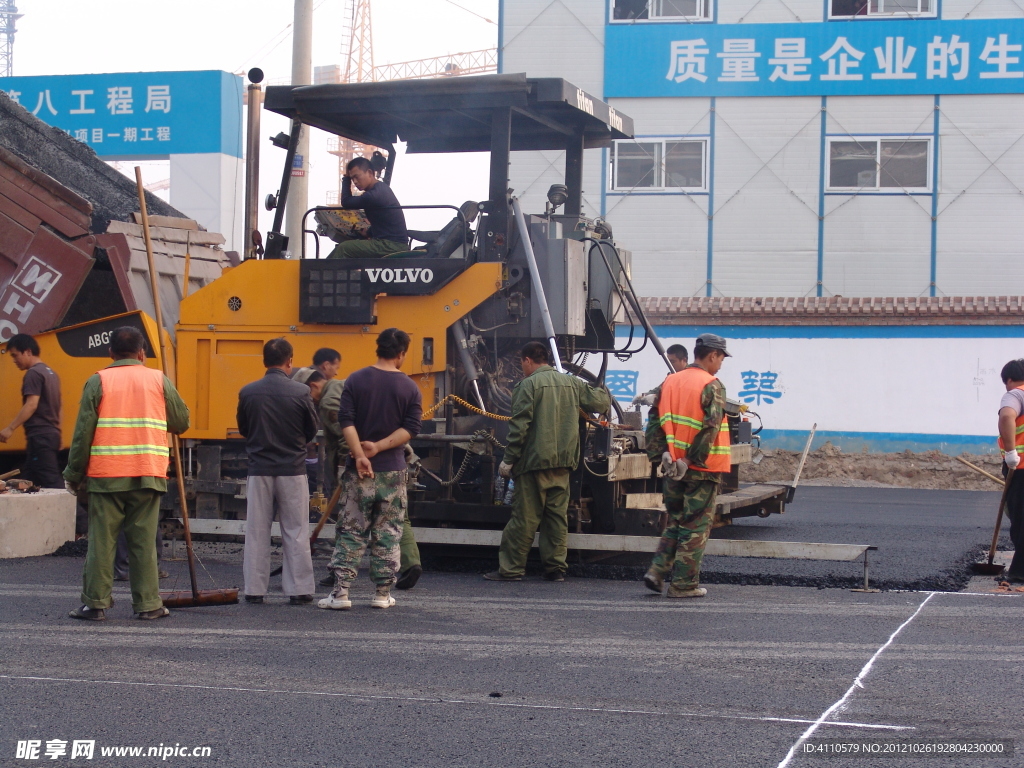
{"points": [[388, 233], [119, 454], [690, 435], [40, 413], [277, 418], [380, 412], [1011, 441]]}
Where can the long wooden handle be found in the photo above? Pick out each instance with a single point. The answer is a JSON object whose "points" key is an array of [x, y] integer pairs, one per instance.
{"points": [[979, 470], [331, 504], [154, 284], [999, 517], [9, 475]]}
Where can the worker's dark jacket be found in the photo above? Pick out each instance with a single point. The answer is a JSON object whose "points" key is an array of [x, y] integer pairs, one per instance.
{"points": [[277, 418], [544, 430]]}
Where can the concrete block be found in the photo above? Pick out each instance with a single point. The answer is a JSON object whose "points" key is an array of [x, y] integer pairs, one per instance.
{"points": [[33, 524]]}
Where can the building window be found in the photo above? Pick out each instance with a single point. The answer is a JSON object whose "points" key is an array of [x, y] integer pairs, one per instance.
{"points": [[633, 10], [841, 9], [659, 164], [879, 165]]}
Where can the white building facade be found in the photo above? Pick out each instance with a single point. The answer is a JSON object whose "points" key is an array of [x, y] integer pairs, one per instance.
{"points": [[809, 149], [796, 147]]}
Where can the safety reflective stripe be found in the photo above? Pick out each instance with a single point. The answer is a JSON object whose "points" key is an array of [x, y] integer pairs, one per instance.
{"points": [[128, 450], [677, 419], [682, 419], [142, 422], [130, 439]]}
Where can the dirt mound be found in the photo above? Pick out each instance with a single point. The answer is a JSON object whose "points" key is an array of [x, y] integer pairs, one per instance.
{"points": [[828, 465]]}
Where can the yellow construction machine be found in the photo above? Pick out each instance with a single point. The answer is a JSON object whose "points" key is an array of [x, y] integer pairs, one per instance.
{"points": [[470, 295]]}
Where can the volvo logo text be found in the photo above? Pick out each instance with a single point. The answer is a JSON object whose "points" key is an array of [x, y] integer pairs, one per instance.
{"points": [[400, 275]]}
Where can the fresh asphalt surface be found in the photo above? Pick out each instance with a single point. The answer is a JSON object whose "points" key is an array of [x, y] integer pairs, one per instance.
{"points": [[464, 672]]}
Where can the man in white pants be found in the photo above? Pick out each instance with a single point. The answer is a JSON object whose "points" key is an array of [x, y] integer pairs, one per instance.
{"points": [[277, 418]]}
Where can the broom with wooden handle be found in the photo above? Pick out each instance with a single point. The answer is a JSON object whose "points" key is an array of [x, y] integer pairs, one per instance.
{"points": [[196, 596]]}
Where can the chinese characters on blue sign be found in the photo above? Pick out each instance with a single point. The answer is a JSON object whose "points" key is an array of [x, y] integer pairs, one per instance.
{"points": [[869, 57], [759, 387], [139, 114], [622, 384]]}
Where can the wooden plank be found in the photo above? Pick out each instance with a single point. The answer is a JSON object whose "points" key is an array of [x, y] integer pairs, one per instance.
{"points": [[48, 213], [167, 234], [168, 221], [177, 249], [175, 265]]}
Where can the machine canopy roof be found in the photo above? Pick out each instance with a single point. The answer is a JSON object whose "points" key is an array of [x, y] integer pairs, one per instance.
{"points": [[453, 114]]}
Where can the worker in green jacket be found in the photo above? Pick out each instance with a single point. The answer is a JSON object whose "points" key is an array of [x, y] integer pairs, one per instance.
{"points": [[124, 476], [543, 449]]}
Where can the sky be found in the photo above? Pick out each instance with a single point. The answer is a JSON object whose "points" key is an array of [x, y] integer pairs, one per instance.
{"points": [[57, 37]]}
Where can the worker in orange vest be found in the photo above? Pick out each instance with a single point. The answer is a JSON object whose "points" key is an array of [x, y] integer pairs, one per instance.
{"points": [[688, 431], [119, 454], [1011, 441]]}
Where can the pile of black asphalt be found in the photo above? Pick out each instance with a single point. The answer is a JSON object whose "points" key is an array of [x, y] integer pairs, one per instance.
{"points": [[926, 540]]}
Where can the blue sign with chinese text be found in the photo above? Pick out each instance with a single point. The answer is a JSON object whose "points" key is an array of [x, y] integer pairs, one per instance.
{"points": [[139, 114], [848, 58]]}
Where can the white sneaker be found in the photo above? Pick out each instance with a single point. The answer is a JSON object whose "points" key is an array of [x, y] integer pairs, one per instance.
{"points": [[336, 601], [382, 601]]}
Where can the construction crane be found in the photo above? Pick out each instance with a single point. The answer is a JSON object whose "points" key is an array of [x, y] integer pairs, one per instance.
{"points": [[8, 15], [358, 67]]}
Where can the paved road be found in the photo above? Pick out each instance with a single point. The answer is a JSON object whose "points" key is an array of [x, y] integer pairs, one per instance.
{"points": [[589, 672], [926, 539]]}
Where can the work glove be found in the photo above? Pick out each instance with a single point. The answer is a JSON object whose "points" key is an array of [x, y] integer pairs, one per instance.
{"points": [[648, 399], [1012, 459], [505, 470], [72, 488], [666, 463], [673, 469]]}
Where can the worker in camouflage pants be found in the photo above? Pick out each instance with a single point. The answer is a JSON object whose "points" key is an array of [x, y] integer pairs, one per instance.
{"points": [[688, 431], [373, 513], [378, 414], [691, 513]]}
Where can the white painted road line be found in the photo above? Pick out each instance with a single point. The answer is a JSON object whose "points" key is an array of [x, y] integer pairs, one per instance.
{"points": [[433, 700], [856, 684]]}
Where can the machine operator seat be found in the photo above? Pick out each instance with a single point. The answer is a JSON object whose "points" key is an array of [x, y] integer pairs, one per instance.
{"points": [[445, 243]]}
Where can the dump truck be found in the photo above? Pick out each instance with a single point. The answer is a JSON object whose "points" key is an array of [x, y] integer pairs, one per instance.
{"points": [[469, 294]]}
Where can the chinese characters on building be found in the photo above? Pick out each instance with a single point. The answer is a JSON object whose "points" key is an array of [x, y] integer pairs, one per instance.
{"points": [[894, 58], [759, 387], [622, 384], [141, 109]]}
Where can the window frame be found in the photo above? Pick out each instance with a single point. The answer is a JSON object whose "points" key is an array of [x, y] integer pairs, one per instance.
{"points": [[932, 14], [878, 139], [613, 158], [707, 6]]}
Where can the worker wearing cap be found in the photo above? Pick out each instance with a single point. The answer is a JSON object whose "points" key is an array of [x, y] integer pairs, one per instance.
{"points": [[687, 430], [543, 449], [1011, 441]]}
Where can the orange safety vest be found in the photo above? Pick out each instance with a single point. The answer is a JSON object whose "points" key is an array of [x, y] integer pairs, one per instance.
{"points": [[131, 434], [1018, 434], [682, 417]]}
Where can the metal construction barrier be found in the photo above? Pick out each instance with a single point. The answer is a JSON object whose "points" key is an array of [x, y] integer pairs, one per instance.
{"points": [[601, 542]]}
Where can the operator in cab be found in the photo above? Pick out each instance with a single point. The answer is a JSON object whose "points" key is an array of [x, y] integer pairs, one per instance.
{"points": [[388, 233]]}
